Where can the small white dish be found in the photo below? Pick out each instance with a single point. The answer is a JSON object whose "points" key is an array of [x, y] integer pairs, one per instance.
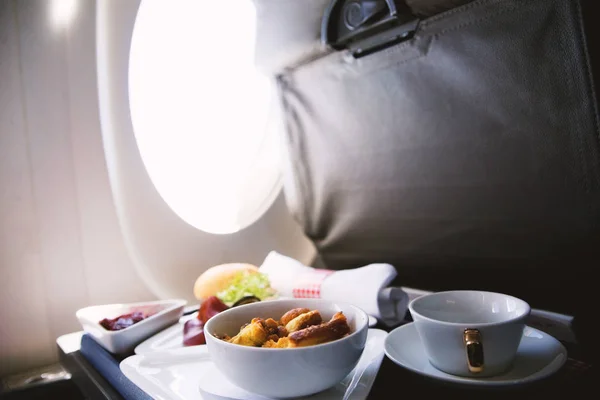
{"points": [[539, 356], [189, 374], [172, 337], [163, 313]]}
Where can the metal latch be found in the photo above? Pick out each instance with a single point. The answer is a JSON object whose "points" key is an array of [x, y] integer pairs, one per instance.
{"points": [[367, 26]]}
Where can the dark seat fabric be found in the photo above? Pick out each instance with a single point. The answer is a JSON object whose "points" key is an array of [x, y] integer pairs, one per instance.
{"points": [[467, 157]]}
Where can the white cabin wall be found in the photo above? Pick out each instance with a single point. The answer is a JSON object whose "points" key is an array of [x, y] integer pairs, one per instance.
{"points": [[61, 247], [61, 244]]}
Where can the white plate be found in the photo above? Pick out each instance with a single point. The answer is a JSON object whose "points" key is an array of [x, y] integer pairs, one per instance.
{"points": [[164, 313], [167, 339], [188, 373], [539, 356], [172, 337]]}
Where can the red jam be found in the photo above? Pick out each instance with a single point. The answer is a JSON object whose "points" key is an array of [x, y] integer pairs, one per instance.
{"points": [[123, 321]]}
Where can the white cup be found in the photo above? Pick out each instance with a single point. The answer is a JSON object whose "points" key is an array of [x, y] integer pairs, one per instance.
{"points": [[468, 332]]}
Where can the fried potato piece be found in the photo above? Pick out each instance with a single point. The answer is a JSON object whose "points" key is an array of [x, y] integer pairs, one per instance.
{"points": [[290, 315], [334, 329], [279, 344], [303, 328], [281, 331], [304, 320], [271, 326], [274, 330], [253, 334]]}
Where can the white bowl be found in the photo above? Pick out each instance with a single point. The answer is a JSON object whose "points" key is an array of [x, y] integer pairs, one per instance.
{"points": [[165, 313], [284, 373]]}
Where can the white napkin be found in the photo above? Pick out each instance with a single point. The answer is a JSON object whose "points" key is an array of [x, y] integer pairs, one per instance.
{"points": [[366, 287]]}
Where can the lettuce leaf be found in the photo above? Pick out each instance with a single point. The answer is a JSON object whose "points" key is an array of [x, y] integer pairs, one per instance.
{"points": [[247, 284]]}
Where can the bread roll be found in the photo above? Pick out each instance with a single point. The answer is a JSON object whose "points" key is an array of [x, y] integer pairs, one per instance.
{"points": [[218, 278]]}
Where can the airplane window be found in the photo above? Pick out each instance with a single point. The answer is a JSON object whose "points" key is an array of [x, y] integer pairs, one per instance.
{"points": [[203, 117]]}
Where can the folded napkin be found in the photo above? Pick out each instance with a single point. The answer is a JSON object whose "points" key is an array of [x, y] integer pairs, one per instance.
{"points": [[365, 287]]}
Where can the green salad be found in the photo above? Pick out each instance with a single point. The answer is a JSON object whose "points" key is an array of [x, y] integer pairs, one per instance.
{"points": [[247, 284]]}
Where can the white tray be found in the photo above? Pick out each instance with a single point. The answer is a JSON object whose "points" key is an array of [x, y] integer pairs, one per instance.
{"points": [[188, 373]]}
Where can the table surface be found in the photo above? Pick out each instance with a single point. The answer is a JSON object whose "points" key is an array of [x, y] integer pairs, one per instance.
{"points": [[572, 381]]}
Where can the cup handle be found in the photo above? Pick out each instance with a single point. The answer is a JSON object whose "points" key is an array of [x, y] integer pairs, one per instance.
{"points": [[474, 348]]}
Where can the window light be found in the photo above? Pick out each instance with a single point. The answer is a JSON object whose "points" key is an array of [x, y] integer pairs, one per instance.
{"points": [[202, 115]]}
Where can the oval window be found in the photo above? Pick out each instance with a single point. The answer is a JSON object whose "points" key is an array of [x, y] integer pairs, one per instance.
{"points": [[202, 114]]}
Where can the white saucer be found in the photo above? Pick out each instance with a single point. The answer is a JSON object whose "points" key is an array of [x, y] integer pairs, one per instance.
{"points": [[187, 373], [539, 356]]}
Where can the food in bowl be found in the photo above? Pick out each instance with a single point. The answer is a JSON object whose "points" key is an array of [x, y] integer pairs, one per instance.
{"points": [[292, 371], [299, 327]]}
